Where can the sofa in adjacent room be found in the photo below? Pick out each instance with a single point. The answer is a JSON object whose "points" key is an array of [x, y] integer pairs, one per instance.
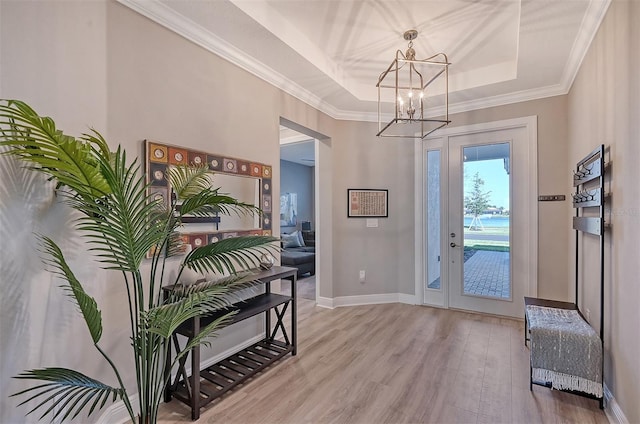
{"points": [[299, 251]]}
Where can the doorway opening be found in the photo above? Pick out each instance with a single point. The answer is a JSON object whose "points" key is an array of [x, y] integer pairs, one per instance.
{"points": [[306, 148], [297, 208]]}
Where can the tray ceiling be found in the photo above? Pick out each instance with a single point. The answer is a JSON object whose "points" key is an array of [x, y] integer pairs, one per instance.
{"points": [[330, 53]]}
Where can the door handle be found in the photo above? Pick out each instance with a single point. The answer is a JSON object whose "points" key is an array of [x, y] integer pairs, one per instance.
{"points": [[452, 244]]}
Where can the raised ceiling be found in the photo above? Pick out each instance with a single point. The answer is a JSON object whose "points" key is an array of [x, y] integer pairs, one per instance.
{"points": [[296, 147], [329, 53]]}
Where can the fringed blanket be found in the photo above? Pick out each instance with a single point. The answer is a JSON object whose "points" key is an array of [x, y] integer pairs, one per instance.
{"points": [[565, 350]]}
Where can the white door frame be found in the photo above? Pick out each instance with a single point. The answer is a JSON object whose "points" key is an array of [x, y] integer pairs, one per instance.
{"points": [[530, 123], [323, 215]]}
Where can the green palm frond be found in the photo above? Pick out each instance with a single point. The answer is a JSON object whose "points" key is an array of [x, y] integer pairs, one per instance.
{"points": [[87, 304], [72, 392], [122, 223], [124, 226], [186, 301], [187, 181], [36, 140], [209, 201], [110, 193], [100, 143], [205, 333], [228, 254], [163, 320], [235, 284]]}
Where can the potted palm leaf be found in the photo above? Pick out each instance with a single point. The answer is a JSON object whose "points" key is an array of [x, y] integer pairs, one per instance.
{"points": [[123, 223]]}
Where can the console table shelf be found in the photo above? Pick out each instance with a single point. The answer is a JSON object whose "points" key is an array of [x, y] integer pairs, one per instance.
{"points": [[217, 379], [245, 309]]}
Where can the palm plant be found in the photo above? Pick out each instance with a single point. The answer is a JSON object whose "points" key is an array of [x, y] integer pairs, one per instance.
{"points": [[122, 222]]}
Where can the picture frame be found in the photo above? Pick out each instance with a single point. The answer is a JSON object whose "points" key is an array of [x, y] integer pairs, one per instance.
{"points": [[367, 203], [199, 231]]}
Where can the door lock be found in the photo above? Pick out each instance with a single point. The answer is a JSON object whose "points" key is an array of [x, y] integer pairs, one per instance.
{"points": [[452, 244]]}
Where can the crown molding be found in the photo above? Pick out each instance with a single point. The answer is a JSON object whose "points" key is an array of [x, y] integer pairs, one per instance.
{"points": [[591, 21], [470, 105], [507, 99], [170, 19]]}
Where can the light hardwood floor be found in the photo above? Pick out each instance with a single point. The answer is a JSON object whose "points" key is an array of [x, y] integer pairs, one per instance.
{"points": [[397, 363]]}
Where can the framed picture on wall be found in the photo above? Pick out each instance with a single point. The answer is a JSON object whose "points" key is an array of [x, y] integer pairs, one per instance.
{"points": [[367, 203], [288, 209]]}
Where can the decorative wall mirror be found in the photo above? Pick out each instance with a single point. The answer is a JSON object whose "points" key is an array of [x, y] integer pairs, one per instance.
{"points": [[248, 182]]}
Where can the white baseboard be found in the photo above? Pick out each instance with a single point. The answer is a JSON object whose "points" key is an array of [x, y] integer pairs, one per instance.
{"points": [[409, 299], [367, 299], [117, 413], [325, 302], [612, 410]]}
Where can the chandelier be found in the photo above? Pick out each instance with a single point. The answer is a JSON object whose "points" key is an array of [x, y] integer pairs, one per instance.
{"points": [[403, 89]]}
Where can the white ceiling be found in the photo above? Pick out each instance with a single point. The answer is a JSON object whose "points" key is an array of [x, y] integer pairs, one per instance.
{"points": [[329, 53]]}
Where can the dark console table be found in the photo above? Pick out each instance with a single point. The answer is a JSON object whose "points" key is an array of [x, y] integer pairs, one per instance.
{"points": [[212, 382]]}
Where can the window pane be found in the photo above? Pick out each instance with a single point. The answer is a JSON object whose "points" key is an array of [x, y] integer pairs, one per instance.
{"points": [[487, 270], [433, 220]]}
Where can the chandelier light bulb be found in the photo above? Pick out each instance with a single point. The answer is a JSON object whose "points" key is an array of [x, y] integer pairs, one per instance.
{"points": [[400, 110]]}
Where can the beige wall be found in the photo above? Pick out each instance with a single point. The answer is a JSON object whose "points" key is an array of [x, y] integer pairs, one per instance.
{"points": [[604, 107], [385, 253], [52, 56], [361, 160]]}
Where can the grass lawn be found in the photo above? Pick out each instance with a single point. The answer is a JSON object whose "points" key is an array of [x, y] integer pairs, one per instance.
{"points": [[495, 245], [502, 231]]}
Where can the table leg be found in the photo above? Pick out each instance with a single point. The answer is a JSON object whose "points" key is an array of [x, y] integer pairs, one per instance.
{"points": [[294, 309], [267, 313], [195, 373]]}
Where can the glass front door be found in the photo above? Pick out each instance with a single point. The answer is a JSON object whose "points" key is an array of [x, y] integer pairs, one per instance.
{"points": [[476, 222]]}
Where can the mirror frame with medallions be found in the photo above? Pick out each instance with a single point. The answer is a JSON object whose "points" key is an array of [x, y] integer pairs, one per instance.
{"points": [[160, 156]]}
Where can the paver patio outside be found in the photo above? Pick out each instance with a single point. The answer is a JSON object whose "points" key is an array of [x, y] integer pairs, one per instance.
{"points": [[486, 273]]}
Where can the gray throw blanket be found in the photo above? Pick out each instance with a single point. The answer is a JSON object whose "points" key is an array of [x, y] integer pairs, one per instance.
{"points": [[565, 350]]}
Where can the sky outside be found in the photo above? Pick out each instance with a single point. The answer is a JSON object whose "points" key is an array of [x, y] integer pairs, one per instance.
{"points": [[496, 180]]}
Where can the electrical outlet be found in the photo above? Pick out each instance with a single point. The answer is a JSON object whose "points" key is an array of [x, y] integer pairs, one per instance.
{"points": [[362, 275]]}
